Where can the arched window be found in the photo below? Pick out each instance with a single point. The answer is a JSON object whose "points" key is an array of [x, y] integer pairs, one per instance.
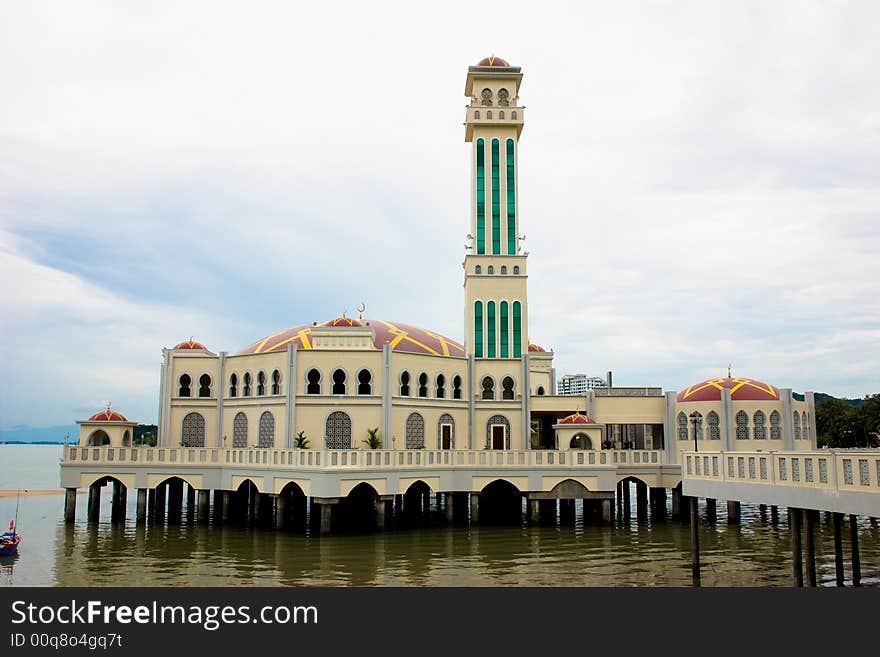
{"points": [[742, 425], [476, 114], [276, 382], [682, 426], [714, 430], [540, 391], [338, 431], [204, 385], [797, 425], [441, 387], [760, 432], [517, 329], [184, 383], [498, 432], [496, 197], [490, 329], [404, 384], [415, 431], [446, 432], [806, 432], [423, 385], [513, 115], [501, 114], [507, 388], [339, 382], [261, 383], [456, 387], [481, 196], [478, 270], [503, 98], [267, 430], [504, 270], [775, 431], [233, 385], [246, 387], [504, 327], [511, 199], [488, 388], [365, 382], [313, 382], [193, 434], [488, 114], [697, 420], [478, 329], [239, 431], [516, 270], [486, 97], [490, 270]]}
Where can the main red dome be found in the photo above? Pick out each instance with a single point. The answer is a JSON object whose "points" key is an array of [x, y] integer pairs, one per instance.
{"points": [[108, 416], [401, 337], [741, 389], [493, 61]]}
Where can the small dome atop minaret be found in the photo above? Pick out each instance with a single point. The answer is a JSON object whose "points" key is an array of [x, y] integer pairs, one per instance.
{"points": [[494, 61]]}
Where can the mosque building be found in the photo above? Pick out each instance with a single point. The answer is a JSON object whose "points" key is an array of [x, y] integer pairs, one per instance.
{"points": [[326, 384]]}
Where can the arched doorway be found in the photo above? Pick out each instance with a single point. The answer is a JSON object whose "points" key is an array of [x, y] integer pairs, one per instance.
{"points": [[501, 503], [357, 510], [581, 441], [498, 433], [98, 438], [446, 431]]}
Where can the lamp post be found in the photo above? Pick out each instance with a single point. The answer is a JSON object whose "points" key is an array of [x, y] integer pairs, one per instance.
{"points": [[695, 417], [695, 518]]}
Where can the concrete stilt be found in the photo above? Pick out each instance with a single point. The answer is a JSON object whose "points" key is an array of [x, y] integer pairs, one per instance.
{"points": [[118, 502], [794, 524], [535, 511], [762, 510], [641, 501], [733, 512], [566, 512], [837, 520], [854, 546], [450, 507], [226, 504], [203, 503], [475, 508], [190, 504], [141, 516], [161, 496], [326, 518], [774, 515], [175, 501], [281, 511], [676, 503], [711, 509], [608, 511], [658, 503], [151, 505], [381, 513], [94, 509], [811, 548], [695, 542], [70, 504], [626, 503]]}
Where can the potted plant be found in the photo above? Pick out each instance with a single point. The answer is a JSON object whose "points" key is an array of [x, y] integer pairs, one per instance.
{"points": [[301, 441], [373, 440]]}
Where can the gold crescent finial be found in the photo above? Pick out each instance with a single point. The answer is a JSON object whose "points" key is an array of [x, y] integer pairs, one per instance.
{"points": [[728, 370], [361, 309], [108, 406]]}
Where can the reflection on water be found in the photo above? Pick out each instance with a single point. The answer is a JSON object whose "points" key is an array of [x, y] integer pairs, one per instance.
{"points": [[754, 553]]}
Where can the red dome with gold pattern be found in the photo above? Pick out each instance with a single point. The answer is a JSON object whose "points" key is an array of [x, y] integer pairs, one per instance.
{"points": [[401, 337], [741, 389], [493, 61], [577, 418], [108, 416], [191, 345], [344, 321], [536, 348]]}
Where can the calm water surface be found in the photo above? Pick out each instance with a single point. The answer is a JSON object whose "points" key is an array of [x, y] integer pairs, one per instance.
{"points": [[754, 553]]}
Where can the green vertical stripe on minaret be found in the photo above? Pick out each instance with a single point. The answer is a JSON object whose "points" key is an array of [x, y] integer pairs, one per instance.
{"points": [[481, 196], [478, 329], [511, 200], [517, 329], [496, 199], [490, 329], [505, 335]]}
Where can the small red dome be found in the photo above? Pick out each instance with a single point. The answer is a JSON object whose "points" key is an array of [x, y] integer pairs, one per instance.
{"points": [[535, 347], [577, 418], [191, 344], [494, 61], [344, 321], [741, 389], [107, 416]]}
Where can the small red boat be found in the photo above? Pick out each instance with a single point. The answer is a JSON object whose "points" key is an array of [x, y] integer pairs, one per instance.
{"points": [[9, 541]]}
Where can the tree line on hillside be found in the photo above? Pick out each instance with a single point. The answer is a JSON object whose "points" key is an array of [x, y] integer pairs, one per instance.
{"points": [[848, 423]]}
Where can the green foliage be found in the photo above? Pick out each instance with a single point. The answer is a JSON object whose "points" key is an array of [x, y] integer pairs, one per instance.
{"points": [[301, 441], [840, 423], [373, 440]]}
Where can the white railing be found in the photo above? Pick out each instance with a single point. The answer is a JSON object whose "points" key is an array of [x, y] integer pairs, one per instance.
{"points": [[843, 470], [328, 459]]}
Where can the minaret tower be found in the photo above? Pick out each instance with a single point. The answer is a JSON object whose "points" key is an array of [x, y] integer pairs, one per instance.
{"points": [[496, 310]]}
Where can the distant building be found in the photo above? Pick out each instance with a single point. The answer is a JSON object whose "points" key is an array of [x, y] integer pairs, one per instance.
{"points": [[578, 384]]}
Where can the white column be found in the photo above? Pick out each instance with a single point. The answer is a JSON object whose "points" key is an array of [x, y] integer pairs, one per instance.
{"points": [[386, 396], [526, 402], [727, 418], [810, 398], [670, 429], [787, 419], [471, 405], [290, 384], [220, 387]]}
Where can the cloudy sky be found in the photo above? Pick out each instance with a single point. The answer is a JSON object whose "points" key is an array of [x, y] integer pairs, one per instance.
{"points": [[698, 185]]}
